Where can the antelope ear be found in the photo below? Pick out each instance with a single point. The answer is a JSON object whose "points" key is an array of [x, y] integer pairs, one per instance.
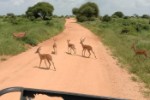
{"points": [[81, 39], [39, 48], [84, 39]]}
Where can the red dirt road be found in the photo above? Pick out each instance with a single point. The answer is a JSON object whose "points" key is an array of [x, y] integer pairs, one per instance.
{"points": [[101, 76]]}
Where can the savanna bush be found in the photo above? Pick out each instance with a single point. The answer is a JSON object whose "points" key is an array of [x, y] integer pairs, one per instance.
{"points": [[30, 41], [106, 18]]}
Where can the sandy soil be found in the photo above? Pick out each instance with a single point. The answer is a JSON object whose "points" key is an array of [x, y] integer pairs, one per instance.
{"points": [[101, 76]]}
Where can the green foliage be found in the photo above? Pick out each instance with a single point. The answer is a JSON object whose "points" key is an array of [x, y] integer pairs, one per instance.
{"points": [[82, 18], [75, 11], [119, 14], [114, 16], [126, 17], [88, 11], [146, 16], [106, 18], [49, 23], [11, 15], [31, 41], [41, 9]]}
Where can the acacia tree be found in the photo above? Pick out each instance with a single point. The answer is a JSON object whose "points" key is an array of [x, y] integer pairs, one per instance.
{"points": [[119, 14], [145, 16], [43, 10], [87, 11]]}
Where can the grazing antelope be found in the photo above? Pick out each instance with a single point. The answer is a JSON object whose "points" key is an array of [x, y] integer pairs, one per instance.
{"points": [[54, 47], [19, 35], [86, 47], [138, 51], [45, 57], [71, 47]]}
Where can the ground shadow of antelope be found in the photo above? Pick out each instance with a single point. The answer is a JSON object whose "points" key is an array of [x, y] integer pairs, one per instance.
{"points": [[45, 57]]}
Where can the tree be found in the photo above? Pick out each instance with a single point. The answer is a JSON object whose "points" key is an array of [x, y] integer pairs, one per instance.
{"points": [[11, 15], [106, 18], [136, 15], [41, 9], [119, 14], [75, 11], [146, 16], [87, 11]]}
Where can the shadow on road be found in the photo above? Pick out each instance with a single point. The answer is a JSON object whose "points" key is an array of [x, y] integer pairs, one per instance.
{"points": [[69, 53], [43, 68], [79, 55]]}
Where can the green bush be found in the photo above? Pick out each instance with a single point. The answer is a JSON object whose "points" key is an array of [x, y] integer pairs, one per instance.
{"points": [[82, 18], [49, 23], [126, 17], [29, 40], [106, 18], [146, 27], [119, 14], [146, 16]]}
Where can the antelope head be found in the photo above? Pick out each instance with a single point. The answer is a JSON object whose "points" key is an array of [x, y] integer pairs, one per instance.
{"points": [[37, 51], [82, 40]]}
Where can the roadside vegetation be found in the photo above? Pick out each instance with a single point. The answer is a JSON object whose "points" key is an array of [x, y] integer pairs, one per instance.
{"points": [[38, 27], [119, 34]]}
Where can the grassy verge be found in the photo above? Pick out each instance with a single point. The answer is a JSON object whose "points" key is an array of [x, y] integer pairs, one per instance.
{"points": [[120, 44], [37, 31]]}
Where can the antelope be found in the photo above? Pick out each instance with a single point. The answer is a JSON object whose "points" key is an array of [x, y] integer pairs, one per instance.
{"points": [[19, 35], [86, 47], [54, 47], [138, 51], [71, 47], [45, 57]]}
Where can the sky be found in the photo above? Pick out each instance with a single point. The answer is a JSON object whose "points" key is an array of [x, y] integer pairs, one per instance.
{"points": [[64, 7]]}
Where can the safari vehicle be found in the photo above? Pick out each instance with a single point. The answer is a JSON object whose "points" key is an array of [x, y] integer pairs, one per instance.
{"points": [[29, 94]]}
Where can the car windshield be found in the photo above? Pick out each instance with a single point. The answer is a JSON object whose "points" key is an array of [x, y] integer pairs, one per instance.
{"points": [[89, 48]]}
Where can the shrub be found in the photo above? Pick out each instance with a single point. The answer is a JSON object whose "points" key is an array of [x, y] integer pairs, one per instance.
{"points": [[126, 17], [119, 14], [30, 41], [138, 27], [125, 30], [146, 16], [146, 27], [114, 16], [82, 18], [106, 18], [49, 23]]}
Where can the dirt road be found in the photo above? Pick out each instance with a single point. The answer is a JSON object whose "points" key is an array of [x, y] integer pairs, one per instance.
{"points": [[101, 76]]}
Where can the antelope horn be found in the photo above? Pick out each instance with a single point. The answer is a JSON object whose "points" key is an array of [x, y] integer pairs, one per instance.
{"points": [[84, 38]]}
